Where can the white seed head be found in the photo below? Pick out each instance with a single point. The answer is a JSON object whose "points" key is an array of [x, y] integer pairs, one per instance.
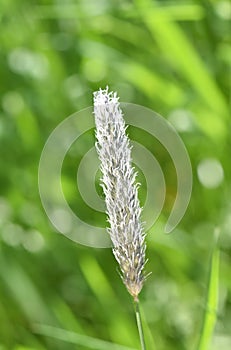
{"points": [[121, 191]]}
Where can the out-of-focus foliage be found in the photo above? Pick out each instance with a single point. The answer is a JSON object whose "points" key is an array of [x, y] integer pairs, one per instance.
{"points": [[171, 56]]}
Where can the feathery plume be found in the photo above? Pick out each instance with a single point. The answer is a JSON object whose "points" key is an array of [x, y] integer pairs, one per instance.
{"points": [[121, 191]]}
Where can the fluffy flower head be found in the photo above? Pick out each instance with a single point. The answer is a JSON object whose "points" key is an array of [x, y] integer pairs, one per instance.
{"points": [[120, 189]]}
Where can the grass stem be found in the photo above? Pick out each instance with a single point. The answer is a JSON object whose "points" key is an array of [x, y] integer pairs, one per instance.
{"points": [[139, 325]]}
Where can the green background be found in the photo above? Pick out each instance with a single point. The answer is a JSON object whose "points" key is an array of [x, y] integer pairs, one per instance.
{"points": [[171, 56]]}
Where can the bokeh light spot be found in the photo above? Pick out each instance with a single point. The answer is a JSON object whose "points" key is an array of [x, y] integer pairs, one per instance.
{"points": [[94, 70], [26, 62], [33, 241], [181, 119], [12, 102], [12, 234], [210, 173], [223, 9]]}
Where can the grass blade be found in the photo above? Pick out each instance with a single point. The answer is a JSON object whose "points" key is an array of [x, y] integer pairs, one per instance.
{"points": [[211, 302], [78, 339]]}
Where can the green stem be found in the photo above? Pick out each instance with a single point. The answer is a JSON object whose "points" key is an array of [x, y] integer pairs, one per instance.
{"points": [[139, 325]]}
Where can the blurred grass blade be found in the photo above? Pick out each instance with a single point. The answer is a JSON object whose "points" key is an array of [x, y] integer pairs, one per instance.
{"points": [[173, 11], [211, 302], [78, 339], [178, 49], [25, 292], [119, 324], [149, 338], [148, 82]]}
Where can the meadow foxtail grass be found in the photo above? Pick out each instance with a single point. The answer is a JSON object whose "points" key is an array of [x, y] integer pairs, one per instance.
{"points": [[121, 195]]}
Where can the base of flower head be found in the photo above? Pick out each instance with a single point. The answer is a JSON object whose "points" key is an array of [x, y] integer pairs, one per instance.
{"points": [[134, 290]]}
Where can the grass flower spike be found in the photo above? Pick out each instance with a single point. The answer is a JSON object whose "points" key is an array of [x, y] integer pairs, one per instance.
{"points": [[121, 191]]}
